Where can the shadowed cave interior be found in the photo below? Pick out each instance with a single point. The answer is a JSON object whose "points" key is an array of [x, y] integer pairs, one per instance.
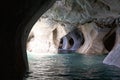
{"points": [[110, 41]]}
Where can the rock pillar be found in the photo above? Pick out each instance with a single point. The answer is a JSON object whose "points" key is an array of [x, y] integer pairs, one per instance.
{"points": [[93, 36]]}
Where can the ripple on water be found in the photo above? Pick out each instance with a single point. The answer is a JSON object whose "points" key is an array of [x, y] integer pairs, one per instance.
{"points": [[70, 67]]}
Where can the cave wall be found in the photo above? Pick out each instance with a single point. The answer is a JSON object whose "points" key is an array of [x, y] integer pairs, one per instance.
{"points": [[95, 19], [113, 57], [98, 15], [42, 42], [83, 11], [46, 36], [93, 36], [15, 15]]}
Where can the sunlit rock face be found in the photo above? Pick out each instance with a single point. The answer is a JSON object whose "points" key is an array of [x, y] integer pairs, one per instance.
{"points": [[45, 36]]}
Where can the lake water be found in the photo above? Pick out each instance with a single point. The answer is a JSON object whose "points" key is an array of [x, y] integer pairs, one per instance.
{"points": [[70, 66]]}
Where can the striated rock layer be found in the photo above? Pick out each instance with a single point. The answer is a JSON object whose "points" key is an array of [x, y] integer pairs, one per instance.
{"points": [[113, 57]]}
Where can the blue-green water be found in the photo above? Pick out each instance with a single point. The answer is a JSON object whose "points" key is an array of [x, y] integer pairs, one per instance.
{"points": [[71, 66]]}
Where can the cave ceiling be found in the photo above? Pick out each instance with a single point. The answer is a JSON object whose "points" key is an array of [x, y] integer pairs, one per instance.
{"points": [[74, 12]]}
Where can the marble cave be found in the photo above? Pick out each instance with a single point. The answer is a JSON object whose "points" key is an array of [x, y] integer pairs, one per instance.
{"points": [[86, 27]]}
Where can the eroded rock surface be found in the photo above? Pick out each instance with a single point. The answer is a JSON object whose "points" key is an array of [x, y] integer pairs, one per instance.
{"points": [[93, 39], [46, 36], [72, 41], [113, 57], [96, 19]]}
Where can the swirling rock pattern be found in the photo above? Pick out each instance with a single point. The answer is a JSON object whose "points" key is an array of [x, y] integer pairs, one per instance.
{"points": [[96, 19], [76, 38]]}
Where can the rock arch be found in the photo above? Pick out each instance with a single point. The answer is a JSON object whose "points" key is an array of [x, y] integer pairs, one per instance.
{"points": [[73, 40]]}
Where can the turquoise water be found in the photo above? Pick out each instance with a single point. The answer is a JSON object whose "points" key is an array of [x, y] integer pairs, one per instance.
{"points": [[71, 66]]}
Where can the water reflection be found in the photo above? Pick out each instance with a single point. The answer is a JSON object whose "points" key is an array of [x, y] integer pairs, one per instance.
{"points": [[70, 67]]}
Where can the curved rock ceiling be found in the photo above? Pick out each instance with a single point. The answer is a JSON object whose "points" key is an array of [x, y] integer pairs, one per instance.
{"points": [[82, 11]]}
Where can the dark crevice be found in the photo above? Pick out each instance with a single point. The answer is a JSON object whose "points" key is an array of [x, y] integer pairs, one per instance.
{"points": [[71, 42], [110, 41], [61, 43]]}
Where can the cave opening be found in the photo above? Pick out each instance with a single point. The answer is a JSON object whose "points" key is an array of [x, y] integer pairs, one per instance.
{"points": [[71, 41]]}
